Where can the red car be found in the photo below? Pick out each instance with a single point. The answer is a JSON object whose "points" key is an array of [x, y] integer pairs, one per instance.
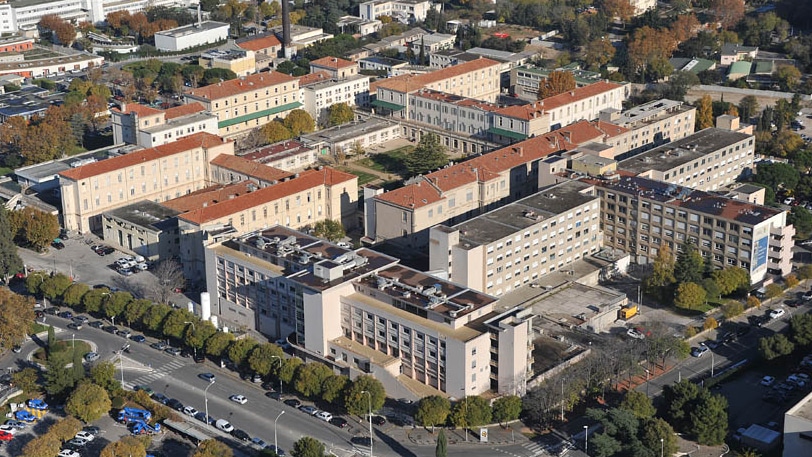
{"points": [[5, 436]]}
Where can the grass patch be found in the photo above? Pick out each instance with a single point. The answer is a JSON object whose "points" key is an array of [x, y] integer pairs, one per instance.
{"points": [[696, 311], [388, 162], [5, 171], [36, 327], [63, 347], [363, 177]]}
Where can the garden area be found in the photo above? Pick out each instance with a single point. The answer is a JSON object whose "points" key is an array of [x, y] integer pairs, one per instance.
{"points": [[393, 161], [69, 350]]}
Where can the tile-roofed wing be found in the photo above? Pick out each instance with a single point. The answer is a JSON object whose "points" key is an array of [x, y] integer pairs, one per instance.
{"points": [[311, 78], [412, 196], [138, 109], [577, 94], [239, 85], [183, 110], [202, 139], [250, 168], [332, 62], [259, 43], [208, 196], [414, 82]]}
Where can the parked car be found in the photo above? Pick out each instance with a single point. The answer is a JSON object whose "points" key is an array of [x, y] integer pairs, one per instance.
{"points": [[201, 416], [172, 350], [207, 377], [238, 399], [91, 357], [767, 381], [241, 435], [85, 436], [92, 429], [66, 315], [96, 324], [145, 388], [160, 398], [700, 350], [324, 415], [174, 404], [124, 333], [110, 329], [75, 326], [378, 420], [292, 402], [308, 409], [160, 345], [777, 313], [138, 338], [339, 422], [190, 411], [224, 425]]}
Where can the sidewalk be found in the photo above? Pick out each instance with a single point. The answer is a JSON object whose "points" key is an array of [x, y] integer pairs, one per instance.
{"points": [[497, 435]]}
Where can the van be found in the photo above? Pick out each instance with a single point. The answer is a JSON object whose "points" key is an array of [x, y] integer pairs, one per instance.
{"points": [[140, 259], [224, 425]]}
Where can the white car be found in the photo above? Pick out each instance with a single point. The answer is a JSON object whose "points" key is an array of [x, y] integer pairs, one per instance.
{"points": [[776, 313], [238, 399], [10, 429], [324, 415], [636, 334], [767, 381], [224, 425], [189, 411], [69, 453], [85, 435]]}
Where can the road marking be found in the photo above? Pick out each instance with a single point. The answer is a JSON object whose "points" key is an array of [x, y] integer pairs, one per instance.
{"points": [[534, 447], [159, 373]]}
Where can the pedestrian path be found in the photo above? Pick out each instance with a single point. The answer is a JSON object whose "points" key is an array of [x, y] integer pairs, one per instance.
{"points": [[535, 449], [156, 374]]}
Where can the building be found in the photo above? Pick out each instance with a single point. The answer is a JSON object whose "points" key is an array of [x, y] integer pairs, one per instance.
{"points": [[641, 6], [355, 24], [694, 65], [406, 11], [379, 63], [158, 174], [249, 102], [321, 94], [734, 52], [15, 43], [233, 169], [363, 132], [652, 124], [36, 67], [265, 43], [28, 102], [302, 36], [241, 62], [797, 437], [149, 127], [584, 103], [478, 79], [361, 312], [433, 43], [525, 79], [513, 245], [638, 215], [191, 36], [288, 155], [336, 67], [707, 160], [461, 191], [145, 228], [296, 202], [453, 113]]}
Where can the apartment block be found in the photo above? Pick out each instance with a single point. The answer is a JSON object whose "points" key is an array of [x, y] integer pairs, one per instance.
{"points": [[478, 79], [707, 160], [453, 113], [336, 67], [406, 11], [242, 62], [509, 247], [157, 174], [233, 169], [288, 155], [459, 192], [249, 102], [319, 94], [149, 127], [519, 122], [584, 103], [525, 79], [296, 202], [361, 312], [639, 215], [652, 124]]}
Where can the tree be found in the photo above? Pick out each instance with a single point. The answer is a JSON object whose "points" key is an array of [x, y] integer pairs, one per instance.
{"points": [[677, 400], [638, 403], [263, 357], [727, 12], [288, 369], [655, 432], [778, 175], [621, 9], [27, 380], [709, 418], [712, 289], [357, 402], [214, 448], [772, 347], [732, 309], [16, 315], [662, 273], [432, 411], [115, 303], [689, 265], [471, 411], [704, 112], [135, 310], [239, 350], [65, 429], [339, 113], [753, 302], [731, 279], [805, 272], [51, 337], [92, 300], [88, 402], [791, 281], [104, 374], [773, 291], [690, 295], [58, 379], [507, 408], [801, 329], [130, 446], [801, 218], [310, 377], [177, 322], [441, 450], [748, 107], [333, 388], [329, 229], [275, 131], [603, 445], [10, 262], [557, 82], [299, 121], [55, 286], [648, 46], [73, 295], [217, 343], [154, 317], [39, 228], [42, 446], [710, 323], [307, 447], [429, 155], [197, 335], [169, 277]]}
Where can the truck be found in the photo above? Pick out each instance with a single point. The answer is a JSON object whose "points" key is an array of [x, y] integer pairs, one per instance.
{"points": [[128, 414], [627, 312], [140, 427], [758, 437]]}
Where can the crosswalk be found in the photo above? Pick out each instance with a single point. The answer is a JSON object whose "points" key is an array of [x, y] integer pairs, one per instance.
{"points": [[534, 448], [155, 374]]}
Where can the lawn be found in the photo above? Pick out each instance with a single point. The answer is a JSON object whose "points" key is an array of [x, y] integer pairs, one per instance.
{"points": [[388, 162], [61, 347], [363, 177], [6, 171]]}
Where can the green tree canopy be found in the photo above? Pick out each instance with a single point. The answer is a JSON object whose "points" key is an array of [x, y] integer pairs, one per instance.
{"points": [[777, 175], [73, 295], [299, 121], [54, 286], [507, 408], [10, 262], [329, 229], [471, 411], [638, 403], [356, 402], [333, 388], [690, 295], [104, 374], [441, 449], [339, 113], [177, 322], [309, 378], [802, 220], [709, 419], [88, 402], [130, 446], [153, 319], [662, 274], [432, 411], [772, 347], [239, 350], [263, 357], [307, 447], [16, 315], [213, 448], [429, 155], [689, 265]]}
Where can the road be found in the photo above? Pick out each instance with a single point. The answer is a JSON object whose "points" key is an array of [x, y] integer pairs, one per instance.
{"points": [[177, 377]]}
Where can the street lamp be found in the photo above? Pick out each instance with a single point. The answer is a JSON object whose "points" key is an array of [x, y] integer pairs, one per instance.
{"points": [[206, 401], [73, 341], [275, 442], [465, 405], [369, 399], [586, 439], [662, 447], [712, 363], [279, 374]]}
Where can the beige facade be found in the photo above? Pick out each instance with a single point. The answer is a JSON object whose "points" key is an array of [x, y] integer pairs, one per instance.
{"points": [[249, 102], [148, 127], [337, 67], [652, 124], [510, 246], [584, 102], [639, 215], [318, 96], [241, 62], [403, 10], [453, 113], [144, 228], [157, 174], [707, 160]]}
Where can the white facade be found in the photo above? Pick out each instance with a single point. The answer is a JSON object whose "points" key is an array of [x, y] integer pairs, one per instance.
{"points": [[317, 97], [190, 36], [408, 10]]}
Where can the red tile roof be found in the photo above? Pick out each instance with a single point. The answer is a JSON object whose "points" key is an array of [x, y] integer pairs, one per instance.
{"points": [[202, 139], [409, 83], [239, 85], [139, 110], [332, 62], [524, 112], [577, 94], [183, 110], [311, 78], [208, 196], [306, 180], [260, 44], [250, 168]]}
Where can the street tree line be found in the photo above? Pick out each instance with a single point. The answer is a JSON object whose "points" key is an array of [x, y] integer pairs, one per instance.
{"points": [[471, 411]]}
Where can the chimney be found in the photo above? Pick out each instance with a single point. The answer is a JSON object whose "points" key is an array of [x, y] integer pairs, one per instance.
{"points": [[199, 16], [286, 50]]}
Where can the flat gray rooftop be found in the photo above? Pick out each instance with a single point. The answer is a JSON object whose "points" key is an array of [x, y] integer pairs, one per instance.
{"points": [[515, 217], [333, 82], [346, 132], [205, 26], [748, 188], [144, 214], [650, 111], [183, 120], [682, 151]]}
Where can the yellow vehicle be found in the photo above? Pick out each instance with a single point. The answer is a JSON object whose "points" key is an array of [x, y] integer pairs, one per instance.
{"points": [[627, 312]]}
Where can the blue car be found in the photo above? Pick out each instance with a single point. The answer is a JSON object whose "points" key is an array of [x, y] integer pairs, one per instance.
{"points": [[138, 338], [36, 403], [24, 416]]}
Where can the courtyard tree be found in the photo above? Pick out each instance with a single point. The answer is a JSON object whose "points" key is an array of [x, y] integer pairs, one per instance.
{"points": [[329, 229], [429, 155], [169, 279], [299, 121], [662, 274], [689, 266], [690, 295], [704, 112], [339, 113], [638, 403], [557, 82]]}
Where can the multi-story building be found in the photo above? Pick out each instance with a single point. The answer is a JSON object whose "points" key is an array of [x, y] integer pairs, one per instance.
{"points": [[433, 43], [652, 124], [361, 312], [301, 36], [149, 127], [249, 102], [707, 160], [512, 245], [232, 169], [525, 80], [288, 155], [242, 62], [191, 36], [380, 63], [478, 79], [639, 215], [321, 94], [734, 52], [407, 11], [366, 132], [145, 228], [453, 113], [267, 44], [464, 190], [52, 65], [336, 67], [641, 6], [583, 103], [157, 174]]}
